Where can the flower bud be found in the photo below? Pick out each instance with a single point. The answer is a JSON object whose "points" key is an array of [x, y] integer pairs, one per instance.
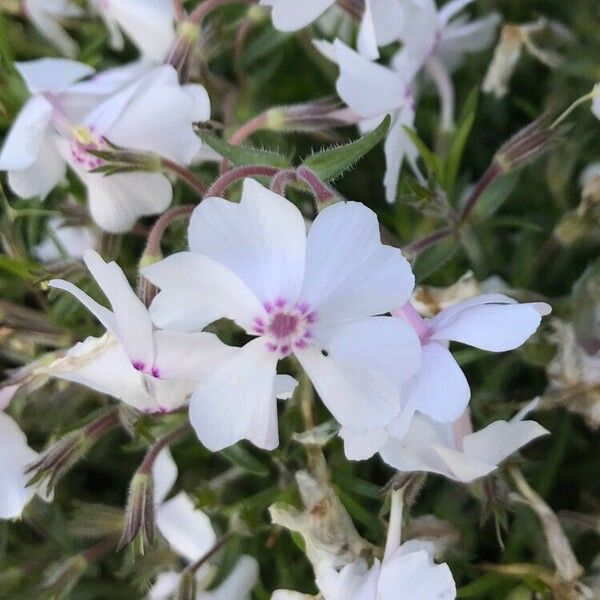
{"points": [[187, 586], [182, 51], [139, 514], [114, 159]]}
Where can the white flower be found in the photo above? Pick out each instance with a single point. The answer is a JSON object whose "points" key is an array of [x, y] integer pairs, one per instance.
{"points": [[153, 114], [149, 24], [315, 298], [596, 100], [290, 15], [492, 322], [452, 450], [29, 154], [64, 241], [372, 91], [16, 455], [150, 370], [46, 15], [189, 532], [59, 97]]}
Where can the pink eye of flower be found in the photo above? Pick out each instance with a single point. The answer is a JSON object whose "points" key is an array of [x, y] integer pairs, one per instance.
{"points": [[85, 140]]}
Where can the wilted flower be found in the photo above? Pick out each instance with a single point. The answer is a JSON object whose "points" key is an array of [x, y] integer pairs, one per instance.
{"points": [[154, 114], [150, 370], [315, 298], [46, 16], [372, 91], [149, 24], [189, 532]]}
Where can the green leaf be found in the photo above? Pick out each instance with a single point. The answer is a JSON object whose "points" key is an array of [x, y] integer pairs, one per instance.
{"points": [[432, 259], [496, 194], [432, 162], [240, 155], [457, 147], [263, 45], [332, 162], [243, 458]]}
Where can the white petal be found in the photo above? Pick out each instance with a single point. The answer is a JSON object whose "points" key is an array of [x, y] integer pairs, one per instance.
{"points": [[201, 102], [442, 391], [596, 101], [361, 445], [102, 365], [52, 74], [451, 9], [47, 24], [165, 586], [195, 291], [366, 361], [284, 387], [237, 401], [262, 239], [499, 440], [291, 15], [388, 20], [159, 119], [239, 582], [367, 87], [14, 458], [73, 240], [491, 322], [149, 23], [290, 595], [42, 176], [416, 572], [164, 475], [24, 141], [190, 355], [134, 326], [366, 40], [187, 529], [397, 147], [349, 273]]}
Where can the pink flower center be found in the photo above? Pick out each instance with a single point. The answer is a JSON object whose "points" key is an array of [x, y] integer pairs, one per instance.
{"points": [[284, 327], [84, 140]]}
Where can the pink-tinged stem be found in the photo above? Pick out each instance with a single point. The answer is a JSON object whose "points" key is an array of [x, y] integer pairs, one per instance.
{"points": [[222, 183], [203, 559], [178, 10], [245, 131], [99, 550], [199, 13], [491, 173], [424, 242], [282, 180], [184, 174], [160, 444], [409, 313], [161, 224], [321, 191]]}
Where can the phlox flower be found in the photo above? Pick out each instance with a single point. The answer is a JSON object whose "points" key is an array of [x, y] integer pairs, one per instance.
{"points": [[372, 90], [153, 114], [46, 15], [15, 457], [316, 297], [454, 451], [59, 96], [596, 101], [492, 322], [150, 370], [148, 23], [190, 534]]}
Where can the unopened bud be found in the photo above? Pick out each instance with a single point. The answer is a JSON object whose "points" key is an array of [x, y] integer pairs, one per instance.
{"points": [[139, 514], [182, 50], [115, 160]]}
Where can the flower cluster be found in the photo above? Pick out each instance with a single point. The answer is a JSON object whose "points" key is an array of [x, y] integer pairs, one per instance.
{"points": [[271, 300]]}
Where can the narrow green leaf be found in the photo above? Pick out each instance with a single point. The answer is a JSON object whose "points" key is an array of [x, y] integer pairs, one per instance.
{"points": [[240, 155], [263, 45], [496, 194], [432, 259], [241, 457], [457, 147], [431, 161], [332, 162]]}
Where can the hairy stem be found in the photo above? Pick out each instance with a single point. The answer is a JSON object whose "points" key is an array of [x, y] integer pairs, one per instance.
{"points": [[184, 174], [224, 181]]}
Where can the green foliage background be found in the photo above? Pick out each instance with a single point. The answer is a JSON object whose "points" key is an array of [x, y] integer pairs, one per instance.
{"points": [[515, 241]]}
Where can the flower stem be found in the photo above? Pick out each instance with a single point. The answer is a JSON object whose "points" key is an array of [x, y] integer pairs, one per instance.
{"points": [[222, 183], [247, 129], [573, 106], [184, 174], [204, 558], [281, 181], [491, 173], [324, 195], [178, 10], [155, 449], [419, 245], [160, 226]]}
